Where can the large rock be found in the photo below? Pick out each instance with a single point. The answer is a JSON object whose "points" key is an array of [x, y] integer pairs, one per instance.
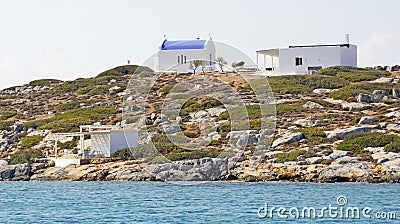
{"points": [[336, 154], [363, 98], [308, 122], [115, 89], [341, 132], [215, 112], [3, 163], [346, 172], [355, 106], [288, 138], [367, 120], [323, 91], [15, 172], [312, 105], [378, 95], [243, 138], [396, 92]]}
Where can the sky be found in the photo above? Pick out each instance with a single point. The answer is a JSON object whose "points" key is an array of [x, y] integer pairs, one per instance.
{"points": [[67, 39]]}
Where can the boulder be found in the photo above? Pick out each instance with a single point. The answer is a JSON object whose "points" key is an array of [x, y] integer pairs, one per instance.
{"points": [[169, 129], [215, 112], [312, 105], [15, 172], [341, 132], [363, 98], [308, 122], [355, 106], [288, 138], [396, 92], [346, 172], [336, 154], [115, 89], [3, 163], [367, 120], [378, 95], [313, 160], [392, 114], [323, 91]]}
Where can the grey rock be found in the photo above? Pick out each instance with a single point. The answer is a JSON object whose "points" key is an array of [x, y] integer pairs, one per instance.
{"points": [[18, 127], [288, 138], [346, 159], [367, 120], [312, 105], [336, 154], [345, 172], [323, 91], [355, 106], [378, 95], [102, 104], [115, 89], [313, 160], [170, 129], [3, 163], [396, 92], [215, 112], [363, 98], [341, 132], [15, 172]]}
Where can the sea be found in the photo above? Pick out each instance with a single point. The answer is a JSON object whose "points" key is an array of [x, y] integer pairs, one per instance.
{"points": [[198, 202]]}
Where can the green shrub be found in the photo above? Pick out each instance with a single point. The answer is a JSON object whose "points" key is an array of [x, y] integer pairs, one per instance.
{"points": [[353, 74], [295, 107], [394, 146], [353, 90], [5, 125], [191, 106], [25, 156], [288, 156], [68, 145], [315, 136], [72, 86], [71, 120], [304, 83], [356, 142], [125, 70], [30, 141], [43, 82], [37, 123], [124, 154], [4, 115], [330, 115]]}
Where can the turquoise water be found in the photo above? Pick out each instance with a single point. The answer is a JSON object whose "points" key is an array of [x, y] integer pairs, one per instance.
{"points": [[212, 202]]}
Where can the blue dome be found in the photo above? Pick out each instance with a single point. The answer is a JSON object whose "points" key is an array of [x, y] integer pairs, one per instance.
{"points": [[182, 44]]}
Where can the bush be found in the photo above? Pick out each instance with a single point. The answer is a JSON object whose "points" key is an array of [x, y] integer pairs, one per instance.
{"points": [[125, 70], [353, 74], [295, 107], [24, 156], [124, 154], [191, 106], [353, 90], [315, 136], [288, 156], [356, 142], [37, 123], [71, 120], [30, 141], [5, 125], [68, 145], [43, 82], [304, 83], [4, 115]]}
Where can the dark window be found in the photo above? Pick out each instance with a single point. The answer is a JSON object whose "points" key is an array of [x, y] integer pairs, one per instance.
{"points": [[179, 61], [299, 61], [185, 59], [314, 68]]}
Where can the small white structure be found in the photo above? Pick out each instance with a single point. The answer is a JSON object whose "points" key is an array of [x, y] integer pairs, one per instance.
{"points": [[104, 140], [176, 55], [308, 59]]}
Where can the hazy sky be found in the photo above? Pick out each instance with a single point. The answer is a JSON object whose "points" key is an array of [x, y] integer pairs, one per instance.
{"points": [[67, 39]]}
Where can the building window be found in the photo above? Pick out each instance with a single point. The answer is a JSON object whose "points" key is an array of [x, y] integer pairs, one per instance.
{"points": [[179, 61], [185, 59], [298, 61]]}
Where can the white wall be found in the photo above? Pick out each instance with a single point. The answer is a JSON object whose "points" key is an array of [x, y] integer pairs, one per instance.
{"points": [[120, 139], [348, 56], [169, 58], [324, 56], [312, 57]]}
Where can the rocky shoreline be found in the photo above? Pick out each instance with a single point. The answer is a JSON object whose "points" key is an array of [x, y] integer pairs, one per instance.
{"points": [[343, 168]]}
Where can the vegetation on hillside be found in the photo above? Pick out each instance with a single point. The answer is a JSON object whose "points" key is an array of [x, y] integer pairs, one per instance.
{"points": [[70, 121], [25, 156], [353, 74], [357, 142], [354, 89]]}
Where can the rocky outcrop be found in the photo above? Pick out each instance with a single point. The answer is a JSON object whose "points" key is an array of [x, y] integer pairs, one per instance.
{"points": [[312, 105], [14, 172], [288, 138], [341, 132]]}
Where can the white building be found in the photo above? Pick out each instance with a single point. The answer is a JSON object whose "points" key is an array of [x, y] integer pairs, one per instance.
{"points": [[309, 58], [176, 55]]}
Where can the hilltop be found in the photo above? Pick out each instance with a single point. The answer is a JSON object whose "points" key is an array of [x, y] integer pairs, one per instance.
{"points": [[337, 125]]}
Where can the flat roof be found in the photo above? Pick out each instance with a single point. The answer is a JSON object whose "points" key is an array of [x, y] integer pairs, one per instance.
{"points": [[270, 52], [320, 45]]}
